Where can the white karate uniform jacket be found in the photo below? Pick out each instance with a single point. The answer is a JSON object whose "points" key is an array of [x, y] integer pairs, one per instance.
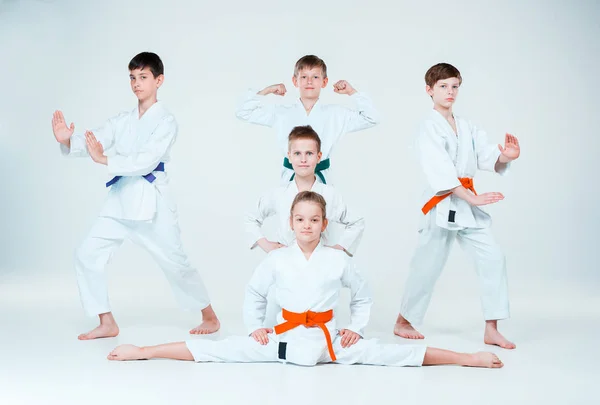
{"points": [[134, 147], [445, 157], [278, 202]]}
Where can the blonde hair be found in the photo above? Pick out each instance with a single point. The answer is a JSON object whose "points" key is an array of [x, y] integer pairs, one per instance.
{"points": [[312, 197]]}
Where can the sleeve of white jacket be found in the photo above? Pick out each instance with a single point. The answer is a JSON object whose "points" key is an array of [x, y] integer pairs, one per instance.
{"points": [[360, 298], [255, 300], [265, 207], [105, 135], [487, 153], [146, 159], [254, 110], [354, 224], [437, 165], [365, 116]]}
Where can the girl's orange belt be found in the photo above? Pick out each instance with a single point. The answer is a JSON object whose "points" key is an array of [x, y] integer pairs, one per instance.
{"points": [[310, 319]]}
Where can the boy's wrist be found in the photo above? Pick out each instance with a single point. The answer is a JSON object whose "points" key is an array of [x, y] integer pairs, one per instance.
{"points": [[265, 91], [503, 159], [103, 160]]}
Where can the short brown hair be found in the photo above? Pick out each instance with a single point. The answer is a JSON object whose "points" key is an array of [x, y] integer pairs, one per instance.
{"points": [[312, 197], [441, 71], [308, 62], [304, 132]]}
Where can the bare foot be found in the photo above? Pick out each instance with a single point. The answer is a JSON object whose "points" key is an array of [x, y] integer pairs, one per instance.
{"points": [[483, 359], [404, 329], [207, 327], [126, 352], [101, 331], [493, 337]]}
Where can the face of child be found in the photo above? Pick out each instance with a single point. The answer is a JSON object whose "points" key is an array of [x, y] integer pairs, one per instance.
{"points": [[307, 221], [444, 92], [310, 82], [143, 83], [304, 157]]}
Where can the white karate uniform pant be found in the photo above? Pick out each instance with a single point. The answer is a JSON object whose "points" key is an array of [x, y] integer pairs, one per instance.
{"points": [[160, 237], [431, 256], [305, 352]]}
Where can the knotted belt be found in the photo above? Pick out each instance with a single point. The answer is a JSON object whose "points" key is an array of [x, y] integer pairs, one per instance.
{"points": [[150, 177], [310, 319], [466, 182]]}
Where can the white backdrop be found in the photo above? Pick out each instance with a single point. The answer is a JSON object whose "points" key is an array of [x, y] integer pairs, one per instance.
{"points": [[529, 68]]}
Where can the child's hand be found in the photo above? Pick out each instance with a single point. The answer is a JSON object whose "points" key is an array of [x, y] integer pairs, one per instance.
{"points": [[268, 246], [486, 198], [62, 133], [260, 335], [95, 148], [511, 149], [277, 89], [348, 337], [343, 87]]}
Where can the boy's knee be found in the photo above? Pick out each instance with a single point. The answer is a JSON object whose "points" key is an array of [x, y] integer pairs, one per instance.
{"points": [[81, 254], [494, 254], [183, 272], [177, 260]]}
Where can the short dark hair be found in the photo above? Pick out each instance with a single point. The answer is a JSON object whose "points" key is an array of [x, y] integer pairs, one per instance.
{"points": [[441, 71], [148, 60]]}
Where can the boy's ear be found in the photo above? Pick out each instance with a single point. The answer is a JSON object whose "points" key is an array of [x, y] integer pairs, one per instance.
{"points": [[319, 156], [295, 81], [325, 81], [325, 223], [429, 89], [159, 80]]}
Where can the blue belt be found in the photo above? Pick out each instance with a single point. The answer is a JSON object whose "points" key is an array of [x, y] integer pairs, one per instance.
{"points": [[150, 177], [323, 165]]}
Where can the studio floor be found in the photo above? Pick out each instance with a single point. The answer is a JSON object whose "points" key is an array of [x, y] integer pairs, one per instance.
{"points": [[42, 362]]}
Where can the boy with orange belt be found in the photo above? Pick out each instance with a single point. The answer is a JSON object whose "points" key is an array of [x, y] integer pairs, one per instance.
{"points": [[450, 150]]}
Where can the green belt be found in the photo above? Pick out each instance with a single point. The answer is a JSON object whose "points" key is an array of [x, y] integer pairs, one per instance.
{"points": [[323, 165]]}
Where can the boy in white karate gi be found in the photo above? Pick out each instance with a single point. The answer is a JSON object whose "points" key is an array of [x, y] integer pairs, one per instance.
{"points": [[331, 122], [135, 146], [304, 154], [450, 150], [307, 278]]}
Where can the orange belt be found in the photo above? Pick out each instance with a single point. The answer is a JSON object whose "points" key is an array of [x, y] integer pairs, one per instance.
{"points": [[466, 182], [309, 319]]}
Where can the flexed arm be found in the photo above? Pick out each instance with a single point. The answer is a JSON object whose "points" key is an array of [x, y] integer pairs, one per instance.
{"points": [[255, 111]]}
